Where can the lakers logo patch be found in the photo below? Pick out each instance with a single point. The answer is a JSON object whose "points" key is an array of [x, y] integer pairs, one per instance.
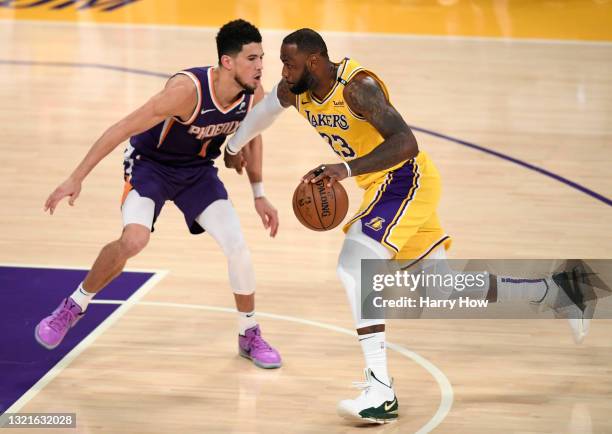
{"points": [[376, 223]]}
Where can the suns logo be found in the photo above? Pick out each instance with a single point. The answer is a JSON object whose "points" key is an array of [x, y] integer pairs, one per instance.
{"points": [[376, 223]]}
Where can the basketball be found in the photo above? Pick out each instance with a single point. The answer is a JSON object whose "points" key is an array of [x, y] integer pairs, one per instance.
{"points": [[319, 207]]}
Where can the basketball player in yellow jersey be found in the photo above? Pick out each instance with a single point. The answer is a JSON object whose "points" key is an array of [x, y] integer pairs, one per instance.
{"points": [[350, 108]]}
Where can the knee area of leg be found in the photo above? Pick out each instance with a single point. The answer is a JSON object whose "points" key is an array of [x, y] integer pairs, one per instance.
{"points": [[132, 243], [237, 250], [350, 256], [339, 270], [348, 275]]}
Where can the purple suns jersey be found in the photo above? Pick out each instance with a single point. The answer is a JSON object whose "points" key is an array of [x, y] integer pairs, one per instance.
{"points": [[197, 140]]}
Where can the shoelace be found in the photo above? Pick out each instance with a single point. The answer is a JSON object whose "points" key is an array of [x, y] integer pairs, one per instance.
{"points": [[260, 344], [63, 318]]}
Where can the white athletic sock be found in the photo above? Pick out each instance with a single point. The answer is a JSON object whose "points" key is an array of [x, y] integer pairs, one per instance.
{"points": [[246, 320], [375, 352], [82, 297], [510, 288]]}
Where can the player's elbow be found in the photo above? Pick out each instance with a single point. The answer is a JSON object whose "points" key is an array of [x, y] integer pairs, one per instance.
{"points": [[409, 147]]}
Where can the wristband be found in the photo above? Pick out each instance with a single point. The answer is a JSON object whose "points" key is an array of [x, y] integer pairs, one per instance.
{"points": [[229, 149], [348, 168], [258, 190]]}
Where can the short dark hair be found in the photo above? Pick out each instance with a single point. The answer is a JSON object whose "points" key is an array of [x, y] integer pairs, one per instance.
{"points": [[307, 41], [233, 35]]}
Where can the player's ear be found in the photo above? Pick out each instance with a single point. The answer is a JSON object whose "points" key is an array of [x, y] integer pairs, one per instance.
{"points": [[227, 62], [312, 61]]}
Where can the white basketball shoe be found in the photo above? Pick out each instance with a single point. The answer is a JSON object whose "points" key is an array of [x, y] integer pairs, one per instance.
{"points": [[377, 402]]}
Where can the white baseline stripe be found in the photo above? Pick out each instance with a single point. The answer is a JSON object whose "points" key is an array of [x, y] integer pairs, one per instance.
{"points": [[71, 267], [82, 346], [213, 30]]}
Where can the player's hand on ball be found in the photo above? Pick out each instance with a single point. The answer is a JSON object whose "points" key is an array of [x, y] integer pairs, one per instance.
{"points": [[268, 214], [70, 187], [334, 172], [236, 162]]}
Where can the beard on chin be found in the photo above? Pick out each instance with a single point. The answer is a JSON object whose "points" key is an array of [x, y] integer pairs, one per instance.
{"points": [[249, 90], [303, 84]]}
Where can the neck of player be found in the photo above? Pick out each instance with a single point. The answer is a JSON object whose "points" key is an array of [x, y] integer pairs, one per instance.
{"points": [[327, 82], [226, 89]]}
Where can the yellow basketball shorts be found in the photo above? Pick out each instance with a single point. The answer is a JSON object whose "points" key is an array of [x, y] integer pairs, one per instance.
{"points": [[399, 210]]}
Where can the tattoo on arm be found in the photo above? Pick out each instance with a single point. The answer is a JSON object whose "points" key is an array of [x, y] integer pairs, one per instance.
{"points": [[366, 98]]}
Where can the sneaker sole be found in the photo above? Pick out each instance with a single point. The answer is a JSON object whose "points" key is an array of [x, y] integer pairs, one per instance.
{"points": [[356, 418], [258, 363]]}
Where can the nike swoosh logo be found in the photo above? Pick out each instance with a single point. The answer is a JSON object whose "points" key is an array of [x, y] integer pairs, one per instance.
{"points": [[390, 405], [206, 111]]}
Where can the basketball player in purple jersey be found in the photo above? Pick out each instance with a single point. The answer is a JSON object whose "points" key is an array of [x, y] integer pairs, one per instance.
{"points": [[174, 140]]}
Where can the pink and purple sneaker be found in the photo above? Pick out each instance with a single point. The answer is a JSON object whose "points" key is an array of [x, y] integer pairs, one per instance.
{"points": [[51, 330], [253, 347]]}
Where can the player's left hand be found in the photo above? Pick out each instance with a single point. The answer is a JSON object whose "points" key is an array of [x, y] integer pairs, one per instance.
{"points": [[334, 172], [268, 214], [236, 162]]}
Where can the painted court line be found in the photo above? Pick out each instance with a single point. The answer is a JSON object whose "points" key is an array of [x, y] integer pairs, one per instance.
{"points": [[572, 184], [82, 346], [526, 165], [446, 389], [72, 267]]}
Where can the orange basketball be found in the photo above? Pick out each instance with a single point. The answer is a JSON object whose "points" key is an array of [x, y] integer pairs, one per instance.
{"points": [[319, 207]]}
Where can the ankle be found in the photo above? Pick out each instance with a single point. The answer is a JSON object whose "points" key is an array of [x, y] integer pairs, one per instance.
{"points": [[246, 320], [82, 297], [375, 353]]}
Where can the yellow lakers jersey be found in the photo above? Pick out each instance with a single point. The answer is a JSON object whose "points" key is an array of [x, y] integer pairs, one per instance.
{"points": [[349, 135]]}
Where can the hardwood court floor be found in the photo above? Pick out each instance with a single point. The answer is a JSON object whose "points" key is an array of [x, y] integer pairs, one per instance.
{"points": [[170, 368]]}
